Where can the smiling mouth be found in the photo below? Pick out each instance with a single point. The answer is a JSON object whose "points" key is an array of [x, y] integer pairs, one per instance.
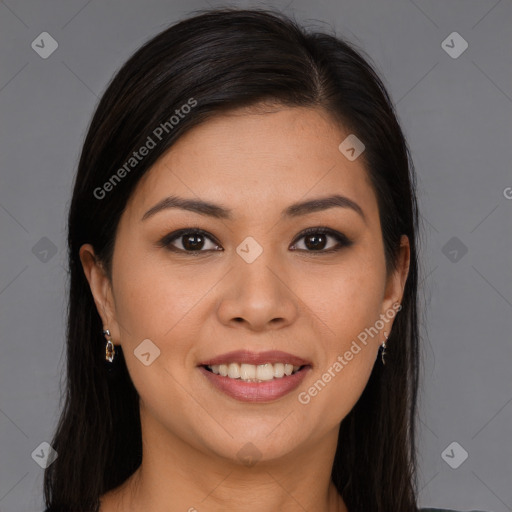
{"points": [[255, 373]]}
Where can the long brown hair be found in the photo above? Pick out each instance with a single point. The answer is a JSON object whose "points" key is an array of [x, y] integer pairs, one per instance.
{"points": [[227, 58]]}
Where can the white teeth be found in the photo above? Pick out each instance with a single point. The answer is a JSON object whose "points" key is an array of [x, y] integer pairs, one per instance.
{"points": [[255, 373], [234, 371], [265, 372], [248, 371], [278, 370]]}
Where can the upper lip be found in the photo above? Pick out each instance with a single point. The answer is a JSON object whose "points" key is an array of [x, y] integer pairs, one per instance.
{"points": [[256, 358]]}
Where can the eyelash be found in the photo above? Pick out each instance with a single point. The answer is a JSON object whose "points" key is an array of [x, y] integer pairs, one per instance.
{"points": [[167, 240]]}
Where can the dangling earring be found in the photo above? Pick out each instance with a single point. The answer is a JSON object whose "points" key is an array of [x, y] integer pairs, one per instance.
{"points": [[384, 348], [110, 350]]}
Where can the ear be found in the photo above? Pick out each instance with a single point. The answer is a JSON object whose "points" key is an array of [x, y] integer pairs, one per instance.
{"points": [[395, 283], [101, 289]]}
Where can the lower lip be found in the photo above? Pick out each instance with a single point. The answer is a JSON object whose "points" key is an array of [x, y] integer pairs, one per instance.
{"points": [[265, 391]]}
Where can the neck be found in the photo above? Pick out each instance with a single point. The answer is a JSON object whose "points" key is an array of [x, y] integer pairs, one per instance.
{"points": [[176, 476]]}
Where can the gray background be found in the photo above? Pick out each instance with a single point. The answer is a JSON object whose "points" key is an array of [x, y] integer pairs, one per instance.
{"points": [[457, 116]]}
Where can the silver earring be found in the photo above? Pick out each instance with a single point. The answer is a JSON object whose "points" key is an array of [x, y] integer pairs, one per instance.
{"points": [[384, 348], [110, 350]]}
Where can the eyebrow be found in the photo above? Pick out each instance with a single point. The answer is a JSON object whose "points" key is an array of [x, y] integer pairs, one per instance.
{"points": [[220, 212]]}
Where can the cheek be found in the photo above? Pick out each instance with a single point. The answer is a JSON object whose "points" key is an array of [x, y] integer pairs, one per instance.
{"points": [[156, 301], [348, 307], [335, 392], [348, 297], [347, 302], [153, 304], [152, 297]]}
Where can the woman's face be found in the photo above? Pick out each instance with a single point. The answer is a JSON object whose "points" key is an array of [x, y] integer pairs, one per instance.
{"points": [[254, 283]]}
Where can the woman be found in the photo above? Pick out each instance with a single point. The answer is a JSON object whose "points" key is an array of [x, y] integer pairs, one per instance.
{"points": [[243, 324]]}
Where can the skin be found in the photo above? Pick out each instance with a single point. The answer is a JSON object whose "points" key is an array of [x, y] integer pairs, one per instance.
{"points": [[193, 308]]}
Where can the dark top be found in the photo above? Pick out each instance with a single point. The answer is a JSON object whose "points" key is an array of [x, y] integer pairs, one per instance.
{"points": [[443, 510]]}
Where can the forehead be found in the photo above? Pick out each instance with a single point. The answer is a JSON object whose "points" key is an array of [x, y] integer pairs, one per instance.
{"points": [[255, 161]]}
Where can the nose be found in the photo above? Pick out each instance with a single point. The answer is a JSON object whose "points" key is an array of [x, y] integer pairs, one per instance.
{"points": [[258, 296]]}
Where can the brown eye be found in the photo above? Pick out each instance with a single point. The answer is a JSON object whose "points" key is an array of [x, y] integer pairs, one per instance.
{"points": [[316, 240], [191, 240]]}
